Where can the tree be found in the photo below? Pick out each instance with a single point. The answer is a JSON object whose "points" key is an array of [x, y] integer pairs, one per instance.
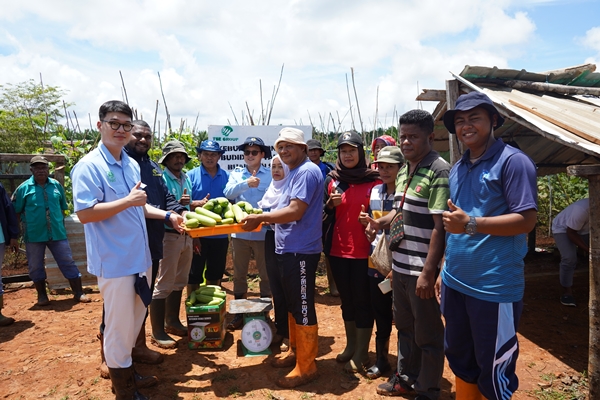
{"points": [[29, 115]]}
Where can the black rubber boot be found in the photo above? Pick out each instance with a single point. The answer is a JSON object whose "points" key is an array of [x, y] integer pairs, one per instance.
{"points": [[42, 296], [382, 365], [123, 384], [4, 321], [77, 289], [173, 324], [157, 319]]}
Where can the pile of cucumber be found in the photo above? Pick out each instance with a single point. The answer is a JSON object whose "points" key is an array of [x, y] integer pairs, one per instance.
{"points": [[219, 211], [206, 295]]}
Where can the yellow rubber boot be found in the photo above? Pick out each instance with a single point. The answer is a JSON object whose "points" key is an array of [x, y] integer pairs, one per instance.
{"points": [[290, 358], [467, 391], [307, 346]]}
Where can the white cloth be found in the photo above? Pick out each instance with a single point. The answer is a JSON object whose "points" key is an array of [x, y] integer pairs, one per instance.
{"points": [[124, 313], [271, 198], [576, 216]]}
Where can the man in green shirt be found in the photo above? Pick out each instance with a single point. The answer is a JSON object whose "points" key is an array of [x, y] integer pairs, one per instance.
{"points": [[40, 202]]}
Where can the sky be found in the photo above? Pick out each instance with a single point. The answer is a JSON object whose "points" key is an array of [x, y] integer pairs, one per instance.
{"points": [[212, 57]]}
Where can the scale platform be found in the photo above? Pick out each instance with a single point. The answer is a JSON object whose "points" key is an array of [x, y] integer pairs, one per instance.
{"points": [[256, 333]]}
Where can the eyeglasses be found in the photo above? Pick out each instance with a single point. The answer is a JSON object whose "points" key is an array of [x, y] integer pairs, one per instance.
{"points": [[114, 125], [253, 152]]}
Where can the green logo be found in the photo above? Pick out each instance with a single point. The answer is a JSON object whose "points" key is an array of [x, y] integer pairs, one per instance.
{"points": [[110, 176], [226, 130]]}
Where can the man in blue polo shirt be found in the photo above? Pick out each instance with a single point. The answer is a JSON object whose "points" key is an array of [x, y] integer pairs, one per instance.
{"points": [[492, 207], [110, 201], [208, 181], [249, 184]]}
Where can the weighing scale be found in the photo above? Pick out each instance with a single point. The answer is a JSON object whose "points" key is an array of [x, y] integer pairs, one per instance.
{"points": [[256, 333]]}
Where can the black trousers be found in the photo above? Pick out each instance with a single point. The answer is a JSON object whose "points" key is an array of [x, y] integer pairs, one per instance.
{"points": [[298, 276], [351, 279], [276, 284], [212, 257], [382, 309]]}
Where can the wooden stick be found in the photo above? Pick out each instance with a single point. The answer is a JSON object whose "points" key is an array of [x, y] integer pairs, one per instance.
{"points": [[362, 129], [195, 123], [250, 115], [124, 89], [275, 95], [556, 122], [262, 109], [165, 102], [350, 102], [155, 115], [553, 88], [233, 112], [45, 107]]}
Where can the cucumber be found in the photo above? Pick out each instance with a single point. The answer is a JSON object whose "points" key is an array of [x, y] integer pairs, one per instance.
{"points": [[192, 299], [215, 293], [209, 214], [229, 214], [215, 302], [192, 223], [237, 212], [217, 209], [207, 299], [190, 215], [223, 202], [257, 211], [209, 205], [227, 221]]}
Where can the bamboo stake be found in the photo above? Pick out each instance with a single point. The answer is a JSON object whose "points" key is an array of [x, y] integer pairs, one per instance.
{"points": [[233, 112], [350, 102], [90, 118], [77, 120], [45, 107], [195, 123], [165, 102], [124, 89], [310, 119], [275, 95], [155, 115], [250, 115], [362, 129], [262, 109]]}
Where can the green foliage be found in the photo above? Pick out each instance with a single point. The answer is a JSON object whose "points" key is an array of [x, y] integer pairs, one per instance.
{"points": [[29, 114], [555, 193]]}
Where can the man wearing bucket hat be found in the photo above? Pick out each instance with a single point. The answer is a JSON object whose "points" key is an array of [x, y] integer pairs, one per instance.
{"points": [[249, 183], [298, 250], [174, 267], [40, 203], [492, 207], [208, 180]]}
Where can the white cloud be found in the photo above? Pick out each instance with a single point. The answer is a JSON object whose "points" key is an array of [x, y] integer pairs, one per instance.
{"points": [[212, 53]]}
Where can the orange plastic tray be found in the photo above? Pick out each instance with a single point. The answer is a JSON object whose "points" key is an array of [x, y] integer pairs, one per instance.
{"points": [[217, 230]]}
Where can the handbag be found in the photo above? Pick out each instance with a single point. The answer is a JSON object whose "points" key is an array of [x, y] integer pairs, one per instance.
{"points": [[382, 256], [397, 224]]}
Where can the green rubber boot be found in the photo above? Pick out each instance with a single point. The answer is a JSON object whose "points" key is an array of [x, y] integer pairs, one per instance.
{"points": [[348, 352]]}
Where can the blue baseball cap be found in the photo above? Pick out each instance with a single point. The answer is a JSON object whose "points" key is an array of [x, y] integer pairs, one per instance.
{"points": [[468, 102], [256, 141], [210, 145]]}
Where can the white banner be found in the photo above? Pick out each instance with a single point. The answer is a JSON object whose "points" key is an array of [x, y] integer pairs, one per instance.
{"points": [[230, 137]]}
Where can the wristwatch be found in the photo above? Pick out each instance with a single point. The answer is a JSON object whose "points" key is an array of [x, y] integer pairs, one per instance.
{"points": [[168, 216], [471, 226]]}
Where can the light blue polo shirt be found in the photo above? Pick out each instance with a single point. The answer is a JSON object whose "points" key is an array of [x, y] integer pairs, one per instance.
{"points": [[116, 246], [237, 189]]}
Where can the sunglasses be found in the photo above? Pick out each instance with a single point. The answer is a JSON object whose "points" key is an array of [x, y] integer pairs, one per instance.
{"points": [[253, 152]]}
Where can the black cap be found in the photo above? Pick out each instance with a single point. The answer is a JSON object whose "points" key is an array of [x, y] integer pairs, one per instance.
{"points": [[256, 141], [352, 138]]}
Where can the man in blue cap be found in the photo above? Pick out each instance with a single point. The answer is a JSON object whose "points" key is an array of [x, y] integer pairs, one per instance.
{"points": [[492, 207], [249, 183], [208, 180]]}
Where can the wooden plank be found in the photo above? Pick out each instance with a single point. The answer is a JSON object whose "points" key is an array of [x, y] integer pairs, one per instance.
{"points": [[432, 95], [556, 122], [592, 172], [552, 87], [452, 93]]}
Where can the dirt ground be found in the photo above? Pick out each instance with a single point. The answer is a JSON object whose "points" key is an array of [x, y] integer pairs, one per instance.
{"points": [[53, 352]]}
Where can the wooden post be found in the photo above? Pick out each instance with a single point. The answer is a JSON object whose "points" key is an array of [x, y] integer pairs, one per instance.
{"points": [[592, 173], [452, 93]]}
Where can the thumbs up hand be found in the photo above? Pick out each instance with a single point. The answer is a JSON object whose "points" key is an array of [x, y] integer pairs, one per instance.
{"points": [[455, 219], [185, 198], [137, 196], [253, 181], [362, 216]]}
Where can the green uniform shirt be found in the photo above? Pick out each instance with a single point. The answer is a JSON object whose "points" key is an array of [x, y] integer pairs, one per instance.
{"points": [[41, 210]]}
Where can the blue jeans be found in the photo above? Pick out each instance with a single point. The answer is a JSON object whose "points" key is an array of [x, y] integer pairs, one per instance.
{"points": [[61, 251], [2, 249]]}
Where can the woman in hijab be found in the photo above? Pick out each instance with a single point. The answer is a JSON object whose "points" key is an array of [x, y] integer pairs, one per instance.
{"points": [[347, 193], [280, 174], [378, 144]]}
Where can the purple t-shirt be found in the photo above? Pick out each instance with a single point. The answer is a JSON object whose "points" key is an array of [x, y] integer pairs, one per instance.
{"points": [[303, 236]]}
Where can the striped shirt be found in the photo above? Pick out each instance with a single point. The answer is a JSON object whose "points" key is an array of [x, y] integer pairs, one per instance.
{"points": [[427, 194], [380, 205]]}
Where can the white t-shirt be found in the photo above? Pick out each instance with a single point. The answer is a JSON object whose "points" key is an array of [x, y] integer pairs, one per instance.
{"points": [[576, 216]]}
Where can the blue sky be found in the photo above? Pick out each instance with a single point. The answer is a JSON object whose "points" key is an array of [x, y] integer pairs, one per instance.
{"points": [[212, 54]]}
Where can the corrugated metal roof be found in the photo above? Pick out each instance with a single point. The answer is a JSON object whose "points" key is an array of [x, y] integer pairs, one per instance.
{"points": [[554, 130]]}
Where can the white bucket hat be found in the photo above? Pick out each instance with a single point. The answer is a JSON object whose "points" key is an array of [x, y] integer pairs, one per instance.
{"points": [[291, 135]]}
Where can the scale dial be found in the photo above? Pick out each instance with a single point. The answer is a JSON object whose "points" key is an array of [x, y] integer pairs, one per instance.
{"points": [[256, 335], [197, 334]]}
